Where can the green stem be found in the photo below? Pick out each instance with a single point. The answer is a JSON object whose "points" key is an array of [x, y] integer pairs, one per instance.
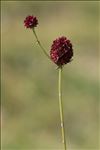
{"points": [[61, 108], [44, 51]]}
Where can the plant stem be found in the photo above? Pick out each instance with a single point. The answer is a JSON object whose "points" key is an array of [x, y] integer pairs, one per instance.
{"points": [[44, 51], [61, 108]]}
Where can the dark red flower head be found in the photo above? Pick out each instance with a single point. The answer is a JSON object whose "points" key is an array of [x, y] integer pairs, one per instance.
{"points": [[61, 51], [30, 22]]}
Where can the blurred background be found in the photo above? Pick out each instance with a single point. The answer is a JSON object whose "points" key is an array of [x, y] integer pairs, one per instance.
{"points": [[30, 108]]}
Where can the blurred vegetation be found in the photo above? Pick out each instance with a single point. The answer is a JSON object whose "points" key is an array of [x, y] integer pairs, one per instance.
{"points": [[30, 110]]}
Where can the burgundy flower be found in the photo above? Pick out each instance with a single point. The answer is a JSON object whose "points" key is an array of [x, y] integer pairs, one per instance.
{"points": [[61, 51], [30, 22]]}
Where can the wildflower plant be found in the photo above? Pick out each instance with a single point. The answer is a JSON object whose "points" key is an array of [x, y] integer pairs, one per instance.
{"points": [[61, 53]]}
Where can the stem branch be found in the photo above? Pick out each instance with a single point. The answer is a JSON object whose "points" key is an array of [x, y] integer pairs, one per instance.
{"points": [[44, 51], [61, 108]]}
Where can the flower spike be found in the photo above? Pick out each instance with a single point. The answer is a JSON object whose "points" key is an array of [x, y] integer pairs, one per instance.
{"points": [[61, 51], [30, 22]]}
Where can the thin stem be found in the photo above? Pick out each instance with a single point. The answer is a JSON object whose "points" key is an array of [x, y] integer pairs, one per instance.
{"points": [[44, 51], [61, 108]]}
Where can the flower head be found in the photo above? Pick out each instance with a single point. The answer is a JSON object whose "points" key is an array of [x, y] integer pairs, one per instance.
{"points": [[61, 51], [30, 22]]}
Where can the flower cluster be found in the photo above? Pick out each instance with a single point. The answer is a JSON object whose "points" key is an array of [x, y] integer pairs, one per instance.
{"points": [[30, 22], [61, 51]]}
